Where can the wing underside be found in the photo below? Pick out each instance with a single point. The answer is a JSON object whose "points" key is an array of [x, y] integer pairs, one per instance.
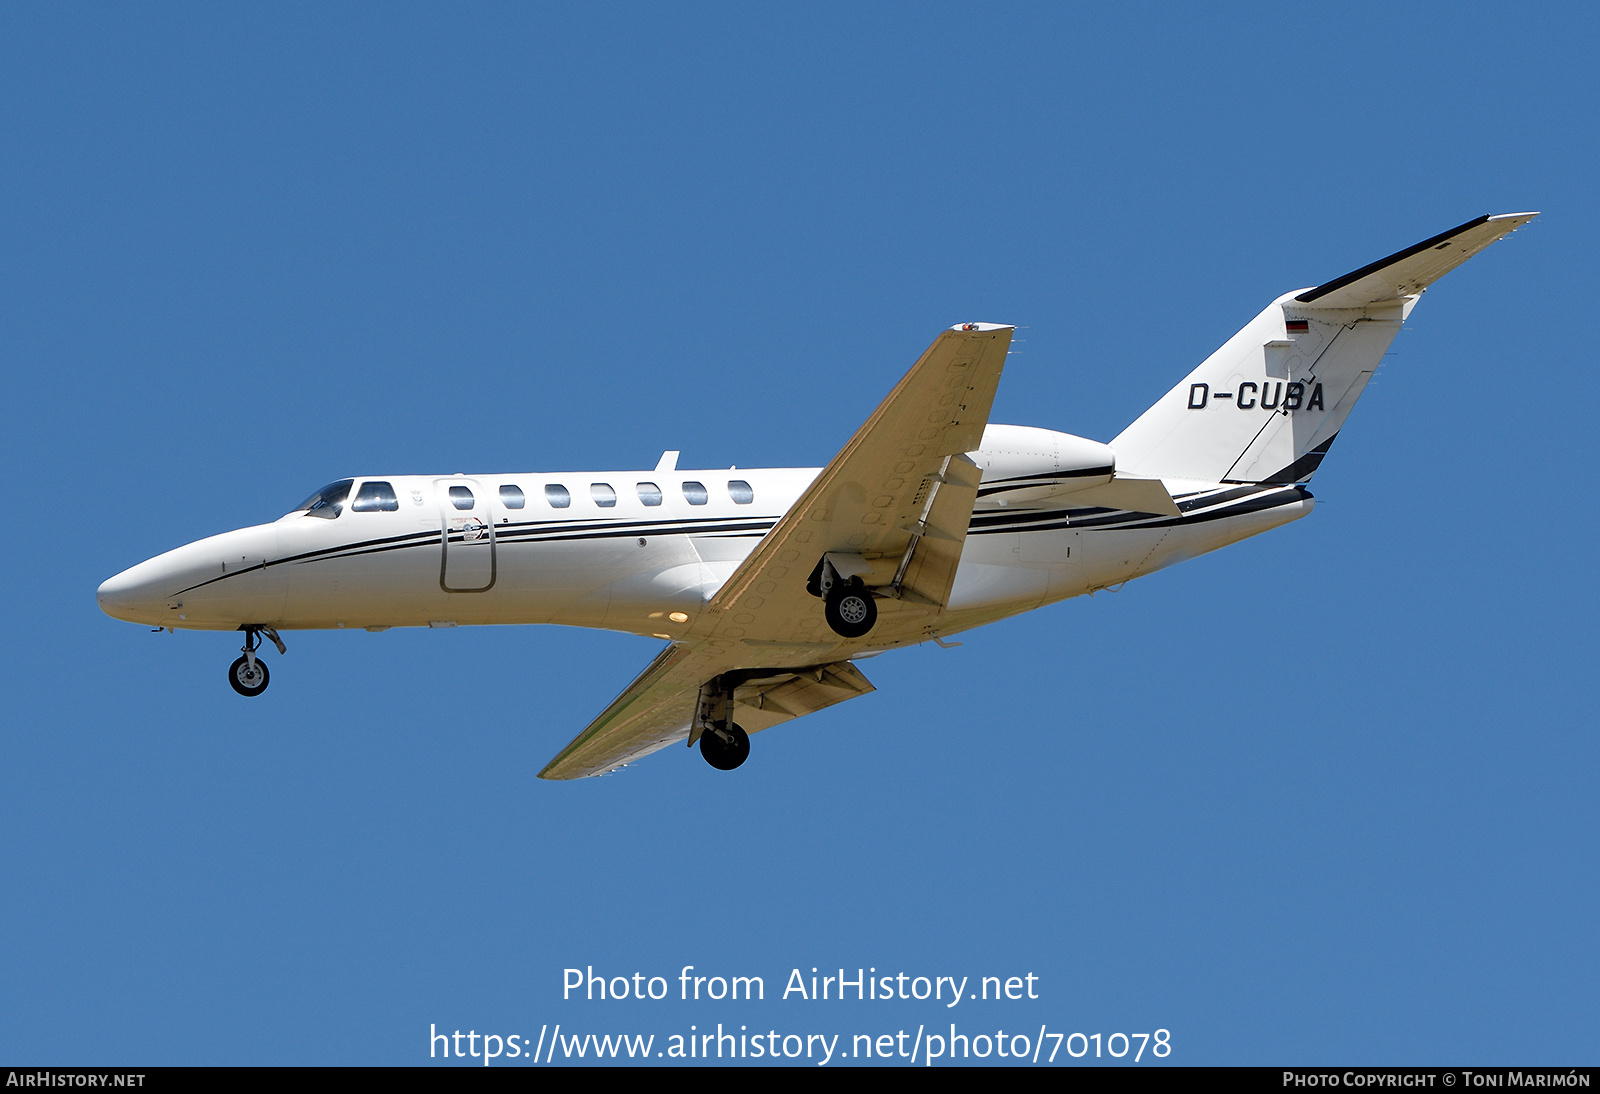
{"points": [[650, 714], [658, 708], [891, 508]]}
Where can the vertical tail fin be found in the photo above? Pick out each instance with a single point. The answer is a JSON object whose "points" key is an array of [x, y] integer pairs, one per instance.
{"points": [[1268, 404]]}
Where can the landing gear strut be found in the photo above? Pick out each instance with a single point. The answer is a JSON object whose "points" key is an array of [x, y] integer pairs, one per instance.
{"points": [[249, 675], [723, 742]]}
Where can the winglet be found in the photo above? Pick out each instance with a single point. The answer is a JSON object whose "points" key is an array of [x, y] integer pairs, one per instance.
{"points": [[668, 461], [1408, 272]]}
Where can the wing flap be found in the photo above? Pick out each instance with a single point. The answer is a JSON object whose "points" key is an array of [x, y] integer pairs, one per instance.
{"points": [[931, 570], [659, 707], [899, 494], [765, 702], [871, 497]]}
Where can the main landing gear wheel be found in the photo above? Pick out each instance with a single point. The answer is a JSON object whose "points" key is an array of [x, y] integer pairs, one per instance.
{"points": [[725, 749], [850, 609], [248, 679]]}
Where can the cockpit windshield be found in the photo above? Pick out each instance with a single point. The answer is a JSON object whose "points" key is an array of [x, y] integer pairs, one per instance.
{"points": [[327, 502]]}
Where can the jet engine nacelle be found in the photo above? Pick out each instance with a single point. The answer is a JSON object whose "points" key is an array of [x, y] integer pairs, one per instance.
{"points": [[1023, 463]]}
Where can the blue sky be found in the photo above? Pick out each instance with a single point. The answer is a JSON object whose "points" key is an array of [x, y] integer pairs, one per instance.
{"points": [[1325, 796]]}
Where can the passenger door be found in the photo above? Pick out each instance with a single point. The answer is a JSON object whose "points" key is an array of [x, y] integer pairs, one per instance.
{"points": [[467, 562]]}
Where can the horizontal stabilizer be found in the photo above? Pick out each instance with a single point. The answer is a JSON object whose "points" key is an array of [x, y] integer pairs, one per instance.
{"points": [[1408, 272], [1125, 492]]}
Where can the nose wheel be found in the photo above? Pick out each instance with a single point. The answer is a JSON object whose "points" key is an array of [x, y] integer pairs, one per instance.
{"points": [[248, 678], [248, 675]]}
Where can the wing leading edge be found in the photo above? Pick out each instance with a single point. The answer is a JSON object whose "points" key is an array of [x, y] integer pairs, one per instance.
{"points": [[659, 707], [892, 507]]}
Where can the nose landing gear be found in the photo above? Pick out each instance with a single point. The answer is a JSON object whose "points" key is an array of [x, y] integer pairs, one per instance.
{"points": [[248, 675], [248, 678]]}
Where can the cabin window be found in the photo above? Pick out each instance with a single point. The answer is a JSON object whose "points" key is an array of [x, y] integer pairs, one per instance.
{"points": [[327, 502], [375, 497], [649, 493], [461, 497], [557, 496], [603, 495], [740, 492], [695, 493], [511, 497]]}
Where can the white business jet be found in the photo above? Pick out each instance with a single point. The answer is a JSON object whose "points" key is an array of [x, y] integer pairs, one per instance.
{"points": [[769, 584]]}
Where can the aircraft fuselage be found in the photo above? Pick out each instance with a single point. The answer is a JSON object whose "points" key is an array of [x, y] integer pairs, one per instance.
{"points": [[640, 552]]}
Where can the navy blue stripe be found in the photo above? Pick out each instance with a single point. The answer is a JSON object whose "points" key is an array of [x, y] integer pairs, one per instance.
{"points": [[523, 532], [1233, 503]]}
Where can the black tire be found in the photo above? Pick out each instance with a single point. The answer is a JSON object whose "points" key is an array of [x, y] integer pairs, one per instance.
{"points": [[246, 683], [850, 610], [725, 755]]}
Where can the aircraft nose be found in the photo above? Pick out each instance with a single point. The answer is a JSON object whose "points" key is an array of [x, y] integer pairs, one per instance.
{"points": [[133, 595]]}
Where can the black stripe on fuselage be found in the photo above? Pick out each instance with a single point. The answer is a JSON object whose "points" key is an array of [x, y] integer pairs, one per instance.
{"points": [[522, 532], [1217, 506], [1043, 478], [410, 539], [575, 537], [1196, 508], [542, 531]]}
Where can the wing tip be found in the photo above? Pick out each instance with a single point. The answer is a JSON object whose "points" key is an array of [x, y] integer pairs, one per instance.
{"points": [[969, 327]]}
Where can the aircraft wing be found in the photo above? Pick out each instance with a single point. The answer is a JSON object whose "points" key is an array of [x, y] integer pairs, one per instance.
{"points": [[658, 708], [650, 714], [892, 507], [902, 484]]}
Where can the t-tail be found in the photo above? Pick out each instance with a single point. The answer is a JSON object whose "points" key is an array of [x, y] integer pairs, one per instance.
{"points": [[1266, 407]]}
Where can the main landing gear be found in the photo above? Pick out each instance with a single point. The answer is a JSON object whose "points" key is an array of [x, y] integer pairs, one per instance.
{"points": [[726, 746], [850, 609], [249, 675], [723, 742], [848, 605]]}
